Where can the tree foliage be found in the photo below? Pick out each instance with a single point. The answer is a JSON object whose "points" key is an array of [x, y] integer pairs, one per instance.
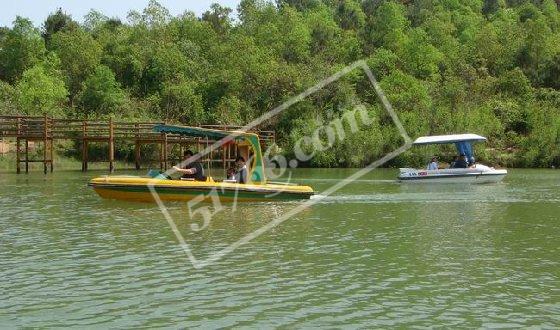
{"points": [[101, 93], [79, 53], [490, 67], [57, 22], [21, 48], [39, 92]]}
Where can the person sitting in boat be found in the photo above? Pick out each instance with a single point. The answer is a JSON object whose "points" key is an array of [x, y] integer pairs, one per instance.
{"points": [[462, 162], [454, 162], [230, 174], [192, 170], [433, 165], [241, 172]]}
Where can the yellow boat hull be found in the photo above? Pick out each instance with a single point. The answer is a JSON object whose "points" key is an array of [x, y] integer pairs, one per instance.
{"points": [[142, 190]]}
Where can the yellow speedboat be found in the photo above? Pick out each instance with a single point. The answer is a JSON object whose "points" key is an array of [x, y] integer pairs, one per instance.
{"points": [[138, 189], [146, 189]]}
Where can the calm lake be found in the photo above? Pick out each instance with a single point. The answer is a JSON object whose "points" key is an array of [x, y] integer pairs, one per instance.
{"points": [[375, 254]]}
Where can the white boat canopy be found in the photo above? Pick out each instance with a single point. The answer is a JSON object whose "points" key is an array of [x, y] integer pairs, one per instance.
{"points": [[443, 139]]}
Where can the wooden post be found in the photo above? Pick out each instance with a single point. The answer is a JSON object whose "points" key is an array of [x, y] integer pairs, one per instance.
{"points": [[18, 146], [224, 148], [165, 151], [137, 147], [181, 149], [51, 145], [198, 142], [45, 142], [51, 154], [137, 155], [227, 152], [86, 155], [161, 154], [26, 156], [84, 146], [208, 155], [18, 162], [111, 146]]}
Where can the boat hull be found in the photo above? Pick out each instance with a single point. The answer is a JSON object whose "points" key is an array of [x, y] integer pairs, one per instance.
{"points": [[141, 190], [452, 176]]}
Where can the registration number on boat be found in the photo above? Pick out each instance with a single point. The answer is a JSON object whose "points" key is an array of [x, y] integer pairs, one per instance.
{"points": [[417, 173]]}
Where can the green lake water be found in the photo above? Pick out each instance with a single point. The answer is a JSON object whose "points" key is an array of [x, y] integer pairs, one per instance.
{"points": [[374, 254]]}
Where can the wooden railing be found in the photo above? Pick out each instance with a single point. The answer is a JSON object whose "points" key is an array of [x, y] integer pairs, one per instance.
{"points": [[46, 130]]}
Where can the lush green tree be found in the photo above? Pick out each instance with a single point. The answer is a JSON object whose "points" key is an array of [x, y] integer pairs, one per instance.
{"points": [[350, 15], [180, 102], [3, 32], [540, 46], [101, 93], [552, 72], [421, 58], [55, 22], [22, 47], [300, 5], [230, 110], [541, 145], [8, 99], [490, 7], [39, 92], [219, 18], [168, 64], [295, 36], [95, 20], [383, 62], [79, 54], [411, 98], [387, 27], [324, 29], [153, 16], [490, 67]]}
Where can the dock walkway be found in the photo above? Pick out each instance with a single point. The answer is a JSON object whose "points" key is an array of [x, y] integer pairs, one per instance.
{"points": [[46, 130]]}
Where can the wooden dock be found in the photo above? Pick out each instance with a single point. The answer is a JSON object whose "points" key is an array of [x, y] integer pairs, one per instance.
{"points": [[46, 130]]}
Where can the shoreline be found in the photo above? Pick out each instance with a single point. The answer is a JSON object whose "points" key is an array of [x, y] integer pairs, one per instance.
{"points": [[66, 164]]}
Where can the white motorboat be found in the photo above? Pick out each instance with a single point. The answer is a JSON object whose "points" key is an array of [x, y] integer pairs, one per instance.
{"points": [[475, 173]]}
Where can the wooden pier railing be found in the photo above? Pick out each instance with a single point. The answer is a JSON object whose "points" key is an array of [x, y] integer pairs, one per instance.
{"points": [[45, 130]]}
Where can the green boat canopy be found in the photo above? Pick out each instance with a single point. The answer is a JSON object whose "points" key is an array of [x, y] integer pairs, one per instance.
{"points": [[257, 171], [192, 131]]}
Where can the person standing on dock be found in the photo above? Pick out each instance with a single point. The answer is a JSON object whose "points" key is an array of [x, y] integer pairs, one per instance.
{"points": [[192, 169]]}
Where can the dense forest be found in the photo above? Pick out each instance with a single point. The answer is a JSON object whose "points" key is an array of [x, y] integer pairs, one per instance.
{"points": [[490, 67]]}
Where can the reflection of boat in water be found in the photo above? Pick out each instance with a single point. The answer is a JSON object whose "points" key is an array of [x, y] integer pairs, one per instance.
{"points": [[257, 188], [476, 173]]}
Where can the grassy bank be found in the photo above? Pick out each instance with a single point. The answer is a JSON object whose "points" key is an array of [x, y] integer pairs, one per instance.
{"points": [[8, 164]]}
